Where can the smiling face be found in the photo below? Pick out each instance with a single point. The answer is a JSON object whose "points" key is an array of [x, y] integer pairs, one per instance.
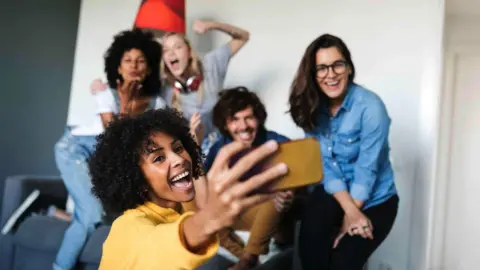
{"points": [[176, 55], [243, 126], [167, 167], [332, 72]]}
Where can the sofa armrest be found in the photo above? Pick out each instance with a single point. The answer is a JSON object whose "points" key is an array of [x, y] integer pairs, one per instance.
{"points": [[17, 188]]}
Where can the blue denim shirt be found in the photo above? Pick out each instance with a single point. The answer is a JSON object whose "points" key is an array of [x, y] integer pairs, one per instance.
{"points": [[355, 149], [262, 137]]}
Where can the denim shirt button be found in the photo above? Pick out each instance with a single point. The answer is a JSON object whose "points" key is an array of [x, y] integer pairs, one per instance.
{"points": [[334, 164], [350, 140], [329, 148]]}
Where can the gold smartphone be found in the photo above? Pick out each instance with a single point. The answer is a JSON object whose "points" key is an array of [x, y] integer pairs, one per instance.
{"points": [[303, 159]]}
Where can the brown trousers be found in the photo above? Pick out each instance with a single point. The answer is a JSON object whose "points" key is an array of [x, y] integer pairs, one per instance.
{"points": [[263, 222]]}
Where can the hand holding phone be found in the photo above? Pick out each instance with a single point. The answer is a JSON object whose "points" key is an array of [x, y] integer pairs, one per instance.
{"points": [[303, 159]]}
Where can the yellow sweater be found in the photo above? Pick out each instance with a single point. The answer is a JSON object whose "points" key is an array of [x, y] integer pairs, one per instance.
{"points": [[150, 237]]}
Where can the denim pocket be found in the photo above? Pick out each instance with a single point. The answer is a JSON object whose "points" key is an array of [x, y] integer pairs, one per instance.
{"points": [[347, 145]]}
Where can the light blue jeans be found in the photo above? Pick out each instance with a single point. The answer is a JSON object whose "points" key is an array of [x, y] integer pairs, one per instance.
{"points": [[71, 154]]}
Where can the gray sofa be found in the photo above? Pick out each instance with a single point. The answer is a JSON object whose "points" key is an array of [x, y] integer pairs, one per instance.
{"points": [[34, 241]]}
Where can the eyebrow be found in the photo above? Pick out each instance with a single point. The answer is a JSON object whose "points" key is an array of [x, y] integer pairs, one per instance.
{"points": [[129, 56], [159, 148], [336, 61]]}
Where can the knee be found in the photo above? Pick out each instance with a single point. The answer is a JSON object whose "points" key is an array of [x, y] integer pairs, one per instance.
{"points": [[89, 219]]}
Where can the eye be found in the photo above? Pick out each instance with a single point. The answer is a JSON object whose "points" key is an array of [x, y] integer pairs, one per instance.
{"points": [[321, 68], [159, 159], [178, 149], [141, 60], [339, 64]]}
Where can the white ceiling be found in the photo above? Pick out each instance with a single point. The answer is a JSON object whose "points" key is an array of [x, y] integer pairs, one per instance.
{"points": [[463, 7]]}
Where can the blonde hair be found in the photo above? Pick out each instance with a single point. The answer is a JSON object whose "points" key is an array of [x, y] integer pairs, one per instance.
{"points": [[194, 67]]}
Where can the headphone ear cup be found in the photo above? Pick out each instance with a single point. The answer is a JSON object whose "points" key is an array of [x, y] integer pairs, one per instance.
{"points": [[179, 86], [193, 83]]}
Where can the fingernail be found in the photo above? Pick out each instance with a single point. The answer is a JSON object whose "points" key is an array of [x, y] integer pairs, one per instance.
{"points": [[282, 167], [273, 145]]}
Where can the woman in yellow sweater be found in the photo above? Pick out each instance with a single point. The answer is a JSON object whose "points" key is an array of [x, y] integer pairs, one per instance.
{"points": [[144, 167]]}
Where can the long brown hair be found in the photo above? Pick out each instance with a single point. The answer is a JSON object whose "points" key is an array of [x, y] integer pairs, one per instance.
{"points": [[305, 94], [195, 67]]}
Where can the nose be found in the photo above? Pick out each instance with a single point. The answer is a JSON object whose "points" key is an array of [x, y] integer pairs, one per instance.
{"points": [[330, 72], [135, 64], [170, 54], [242, 124], [176, 161]]}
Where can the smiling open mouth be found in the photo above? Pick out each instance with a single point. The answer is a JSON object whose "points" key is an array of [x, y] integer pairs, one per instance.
{"points": [[333, 83], [246, 135], [175, 63], [182, 181]]}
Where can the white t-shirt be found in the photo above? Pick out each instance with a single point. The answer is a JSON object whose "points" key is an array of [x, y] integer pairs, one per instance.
{"points": [[108, 102]]}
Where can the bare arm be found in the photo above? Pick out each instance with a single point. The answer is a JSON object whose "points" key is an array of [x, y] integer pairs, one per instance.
{"points": [[227, 197], [107, 118], [239, 36], [346, 201]]}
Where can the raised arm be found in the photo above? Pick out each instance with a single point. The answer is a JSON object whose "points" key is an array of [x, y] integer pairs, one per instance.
{"points": [[239, 35]]}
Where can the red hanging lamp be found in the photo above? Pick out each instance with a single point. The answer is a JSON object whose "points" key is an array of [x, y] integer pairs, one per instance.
{"points": [[161, 15]]}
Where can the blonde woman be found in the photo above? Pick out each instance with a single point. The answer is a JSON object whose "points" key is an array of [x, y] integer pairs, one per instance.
{"points": [[192, 84]]}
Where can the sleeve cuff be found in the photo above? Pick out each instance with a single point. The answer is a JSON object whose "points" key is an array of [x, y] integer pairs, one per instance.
{"points": [[104, 110], [359, 192], [335, 185], [195, 259]]}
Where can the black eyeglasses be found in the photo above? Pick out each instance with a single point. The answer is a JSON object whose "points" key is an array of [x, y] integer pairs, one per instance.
{"points": [[338, 67]]}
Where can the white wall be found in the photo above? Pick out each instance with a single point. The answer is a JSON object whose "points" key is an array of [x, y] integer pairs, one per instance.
{"points": [[398, 58], [397, 49], [461, 40], [99, 22]]}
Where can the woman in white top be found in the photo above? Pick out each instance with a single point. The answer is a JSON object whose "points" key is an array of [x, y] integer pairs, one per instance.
{"points": [[132, 68]]}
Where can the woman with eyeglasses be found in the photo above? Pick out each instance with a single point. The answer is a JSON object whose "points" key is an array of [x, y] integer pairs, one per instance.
{"points": [[351, 213]]}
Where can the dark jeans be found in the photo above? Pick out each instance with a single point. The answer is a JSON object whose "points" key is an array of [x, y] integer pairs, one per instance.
{"points": [[321, 222]]}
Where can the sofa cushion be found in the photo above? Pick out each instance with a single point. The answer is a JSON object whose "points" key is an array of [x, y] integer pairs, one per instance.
{"points": [[41, 233], [92, 252]]}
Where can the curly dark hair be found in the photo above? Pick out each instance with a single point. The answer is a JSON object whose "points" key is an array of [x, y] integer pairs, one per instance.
{"points": [[305, 94], [140, 40], [116, 175], [234, 100]]}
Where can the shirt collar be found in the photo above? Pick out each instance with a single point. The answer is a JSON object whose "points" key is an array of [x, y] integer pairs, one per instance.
{"points": [[160, 213], [347, 102]]}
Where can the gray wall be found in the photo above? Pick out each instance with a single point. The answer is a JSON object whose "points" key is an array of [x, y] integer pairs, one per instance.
{"points": [[36, 60]]}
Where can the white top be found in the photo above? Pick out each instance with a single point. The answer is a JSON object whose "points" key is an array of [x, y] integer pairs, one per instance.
{"points": [[107, 101], [215, 65]]}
